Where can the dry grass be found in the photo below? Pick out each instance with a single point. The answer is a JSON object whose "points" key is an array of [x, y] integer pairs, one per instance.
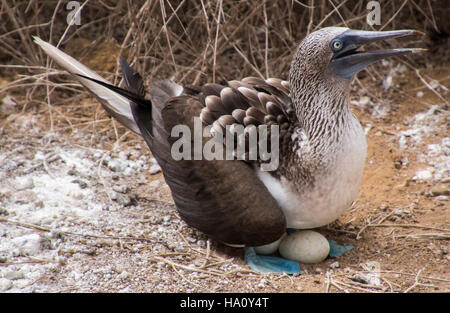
{"points": [[194, 41]]}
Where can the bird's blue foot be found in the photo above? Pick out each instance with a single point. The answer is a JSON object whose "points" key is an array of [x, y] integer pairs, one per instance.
{"points": [[270, 264], [336, 250]]}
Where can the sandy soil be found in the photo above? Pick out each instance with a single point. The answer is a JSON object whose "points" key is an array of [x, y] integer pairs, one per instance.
{"points": [[84, 208]]}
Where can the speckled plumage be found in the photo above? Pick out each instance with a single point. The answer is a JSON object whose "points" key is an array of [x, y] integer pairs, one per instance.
{"points": [[324, 174]]}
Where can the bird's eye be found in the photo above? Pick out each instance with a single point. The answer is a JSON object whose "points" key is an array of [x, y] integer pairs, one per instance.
{"points": [[337, 45]]}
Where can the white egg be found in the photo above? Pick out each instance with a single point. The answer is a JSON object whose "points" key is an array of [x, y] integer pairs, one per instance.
{"points": [[305, 246], [270, 247]]}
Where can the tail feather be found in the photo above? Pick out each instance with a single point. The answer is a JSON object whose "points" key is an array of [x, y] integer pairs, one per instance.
{"points": [[129, 106], [133, 80], [116, 104]]}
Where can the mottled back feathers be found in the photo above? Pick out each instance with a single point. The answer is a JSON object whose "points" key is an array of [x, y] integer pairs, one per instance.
{"points": [[250, 103]]}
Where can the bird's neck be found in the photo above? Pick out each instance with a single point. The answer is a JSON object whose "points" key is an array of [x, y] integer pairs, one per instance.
{"points": [[322, 110]]}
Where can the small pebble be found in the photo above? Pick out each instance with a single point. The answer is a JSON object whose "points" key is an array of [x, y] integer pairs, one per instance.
{"points": [[73, 172], [113, 195], [5, 284], [387, 82], [423, 175], [76, 195], [383, 207], [128, 171], [364, 100], [14, 275], [441, 198], [360, 278], [440, 190], [123, 275], [398, 212], [261, 284], [116, 165], [28, 244], [154, 169], [23, 184], [80, 183], [8, 105], [121, 188], [334, 264], [434, 84], [126, 200], [190, 239]]}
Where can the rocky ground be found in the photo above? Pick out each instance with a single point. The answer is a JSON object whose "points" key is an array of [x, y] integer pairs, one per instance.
{"points": [[84, 206]]}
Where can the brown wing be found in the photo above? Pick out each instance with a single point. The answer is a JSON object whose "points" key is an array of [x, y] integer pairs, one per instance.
{"points": [[250, 103], [224, 199]]}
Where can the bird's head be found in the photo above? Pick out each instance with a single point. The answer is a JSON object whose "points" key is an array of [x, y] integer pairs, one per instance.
{"points": [[333, 52]]}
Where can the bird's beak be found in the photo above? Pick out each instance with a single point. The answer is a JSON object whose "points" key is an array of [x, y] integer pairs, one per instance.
{"points": [[348, 61]]}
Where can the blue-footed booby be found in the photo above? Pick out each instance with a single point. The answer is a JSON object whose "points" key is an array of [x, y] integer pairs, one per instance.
{"points": [[322, 147]]}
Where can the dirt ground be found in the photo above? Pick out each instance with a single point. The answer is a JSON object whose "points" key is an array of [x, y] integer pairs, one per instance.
{"points": [[83, 208]]}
